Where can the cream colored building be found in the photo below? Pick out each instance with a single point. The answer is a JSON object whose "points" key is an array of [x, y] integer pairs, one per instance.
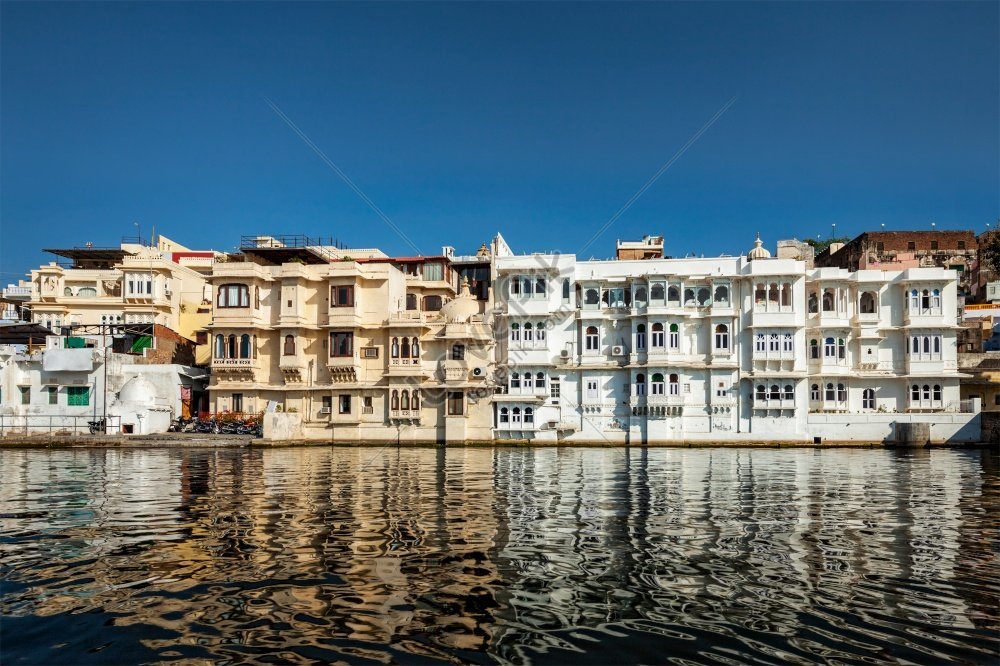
{"points": [[134, 283], [353, 345]]}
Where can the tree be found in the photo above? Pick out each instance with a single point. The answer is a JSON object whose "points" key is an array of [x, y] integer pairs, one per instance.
{"points": [[989, 251], [820, 245]]}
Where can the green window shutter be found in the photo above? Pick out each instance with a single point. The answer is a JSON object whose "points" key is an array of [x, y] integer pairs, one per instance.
{"points": [[75, 343], [142, 342], [78, 396]]}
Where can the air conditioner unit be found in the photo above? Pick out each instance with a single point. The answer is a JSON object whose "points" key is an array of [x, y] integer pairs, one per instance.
{"points": [[478, 372], [324, 411], [618, 350], [169, 293], [564, 353]]}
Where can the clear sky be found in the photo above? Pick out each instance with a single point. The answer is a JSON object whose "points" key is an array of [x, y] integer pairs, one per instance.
{"points": [[460, 120]]}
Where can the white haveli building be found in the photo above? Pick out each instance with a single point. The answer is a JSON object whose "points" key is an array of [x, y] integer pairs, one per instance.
{"points": [[752, 349]]}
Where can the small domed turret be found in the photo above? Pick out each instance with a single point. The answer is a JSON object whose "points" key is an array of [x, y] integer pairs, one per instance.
{"points": [[758, 251], [463, 307]]}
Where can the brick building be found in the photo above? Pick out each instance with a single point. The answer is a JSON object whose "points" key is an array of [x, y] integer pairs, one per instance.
{"points": [[900, 250]]}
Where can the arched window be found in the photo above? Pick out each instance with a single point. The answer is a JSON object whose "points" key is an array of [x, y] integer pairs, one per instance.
{"points": [[411, 301], [914, 301], [772, 296], [867, 303], [935, 299], [640, 336], [404, 400], [515, 380], [788, 343], [640, 297], [565, 291], [592, 339], [831, 393], [289, 348], [704, 296], [220, 346], [868, 399], [394, 401], [656, 293], [394, 348], [937, 344], [760, 343], [830, 348], [927, 392], [722, 337], [245, 346], [915, 344], [657, 335], [640, 384], [788, 393], [231, 351], [814, 348], [415, 399], [540, 380], [515, 332], [591, 297], [722, 295], [87, 292], [256, 297], [814, 393], [775, 393], [529, 415], [841, 348], [674, 339], [786, 295], [925, 300], [405, 348], [813, 303], [528, 381], [761, 394], [516, 416], [540, 286], [937, 393], [415, 348], [504, 415], [760, 295], [675, 386], [67, 291], [927, 344], [656, 384], [673, 294], [529, 332], [774, 343], [915, 393], [841, 393], [829, 303], [689, 296]]}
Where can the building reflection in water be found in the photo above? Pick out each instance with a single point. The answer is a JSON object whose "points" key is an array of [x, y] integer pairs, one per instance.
{"points": [[513, 555]]}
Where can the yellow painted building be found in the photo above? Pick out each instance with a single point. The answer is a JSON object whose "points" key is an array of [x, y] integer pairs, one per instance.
{"points": [[353, 345]]}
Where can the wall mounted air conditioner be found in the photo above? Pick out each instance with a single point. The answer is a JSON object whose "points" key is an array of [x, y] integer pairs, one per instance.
{"points": [[324, 411], [564, 354], [618, 350], [478, 372]]}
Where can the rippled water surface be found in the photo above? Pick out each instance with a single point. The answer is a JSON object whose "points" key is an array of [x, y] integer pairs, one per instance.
{"points": [[510, 555]]}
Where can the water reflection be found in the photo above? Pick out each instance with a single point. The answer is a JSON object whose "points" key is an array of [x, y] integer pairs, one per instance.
{"points": [[509, 555]]}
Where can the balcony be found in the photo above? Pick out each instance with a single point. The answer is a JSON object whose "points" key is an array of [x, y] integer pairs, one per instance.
{"points": [[406, 367], [454, 371], [235, 365], [411, 415], [770, 403], [343, 318], [343, 368]]}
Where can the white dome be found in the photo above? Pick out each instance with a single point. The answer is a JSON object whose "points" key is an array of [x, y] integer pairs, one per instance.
{"points": [[463, 307], [138, 391], [758, 251]]}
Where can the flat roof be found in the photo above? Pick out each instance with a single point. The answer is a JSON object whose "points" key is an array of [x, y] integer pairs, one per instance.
{"points": [[93, 254]]}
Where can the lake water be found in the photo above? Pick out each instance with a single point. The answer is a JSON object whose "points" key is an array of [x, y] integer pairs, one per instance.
{"points": [[578, 556]]}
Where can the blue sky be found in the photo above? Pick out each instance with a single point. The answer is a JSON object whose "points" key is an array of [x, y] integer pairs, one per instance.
{"points": [[460, 120]]}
